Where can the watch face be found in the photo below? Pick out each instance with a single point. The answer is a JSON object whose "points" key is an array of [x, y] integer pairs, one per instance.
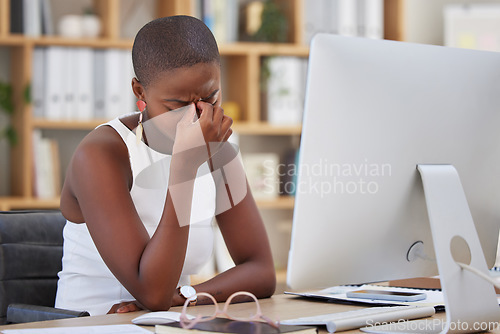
{"points": [[188, 291]]}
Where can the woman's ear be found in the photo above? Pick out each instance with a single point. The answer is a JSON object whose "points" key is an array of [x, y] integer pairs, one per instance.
{"points": [[138, 89]]}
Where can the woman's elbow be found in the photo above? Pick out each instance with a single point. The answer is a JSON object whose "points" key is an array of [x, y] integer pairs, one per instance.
{"points": [[268, 283], [272, 283], [155, 302]]}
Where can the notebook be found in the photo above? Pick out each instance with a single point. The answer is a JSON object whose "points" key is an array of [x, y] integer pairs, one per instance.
{"points": [[222, 325]]}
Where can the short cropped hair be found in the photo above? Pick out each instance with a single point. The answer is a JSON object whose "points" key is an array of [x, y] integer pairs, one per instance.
{"points": [[172, 42]]}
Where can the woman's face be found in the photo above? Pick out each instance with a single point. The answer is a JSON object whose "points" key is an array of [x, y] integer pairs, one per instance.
{"points": [[170, 95], [180, 87]]}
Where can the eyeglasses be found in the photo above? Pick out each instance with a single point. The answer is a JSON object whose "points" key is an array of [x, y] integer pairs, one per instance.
{"points": [[188, 321]]}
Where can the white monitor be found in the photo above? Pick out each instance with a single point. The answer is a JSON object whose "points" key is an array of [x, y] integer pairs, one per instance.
{"points": [[375, 110]]}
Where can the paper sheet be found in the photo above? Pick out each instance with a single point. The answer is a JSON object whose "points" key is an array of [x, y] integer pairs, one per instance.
{"points": [[108, 329], [434, 297]]}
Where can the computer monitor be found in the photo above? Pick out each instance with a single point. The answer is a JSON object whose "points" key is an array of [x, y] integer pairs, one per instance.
{"points": [[374, 110]]}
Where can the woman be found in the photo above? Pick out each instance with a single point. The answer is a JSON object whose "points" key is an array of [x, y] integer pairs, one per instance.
{"points": [[141, 191]]}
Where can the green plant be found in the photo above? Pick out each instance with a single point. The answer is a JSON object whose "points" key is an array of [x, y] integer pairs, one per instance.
{"points": [[265, 73], [274, 24], [7, 107]]}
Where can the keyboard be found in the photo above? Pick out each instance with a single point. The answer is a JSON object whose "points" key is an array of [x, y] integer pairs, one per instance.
{"points": [[342, 321]]}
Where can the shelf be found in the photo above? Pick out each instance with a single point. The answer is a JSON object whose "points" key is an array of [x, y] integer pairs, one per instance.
{"points": [[18, 39], [263, 128], [282, 202], [242, 128], [17, 203], [67, 125], [81, 42], [236, 49], [12, 40], [264, 49], [281, 275]]}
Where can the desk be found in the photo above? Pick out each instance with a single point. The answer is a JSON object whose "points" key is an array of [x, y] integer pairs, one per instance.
{"points": [[277, 307]]}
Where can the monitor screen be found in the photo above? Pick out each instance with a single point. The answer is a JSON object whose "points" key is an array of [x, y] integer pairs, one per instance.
{"points": [[374, 110]]}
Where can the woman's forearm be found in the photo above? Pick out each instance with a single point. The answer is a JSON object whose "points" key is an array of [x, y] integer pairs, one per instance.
{"points": [[162, 261], [256, 277]]}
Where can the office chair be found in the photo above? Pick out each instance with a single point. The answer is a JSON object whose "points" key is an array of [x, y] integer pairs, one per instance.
{"points": [[30, 258]]}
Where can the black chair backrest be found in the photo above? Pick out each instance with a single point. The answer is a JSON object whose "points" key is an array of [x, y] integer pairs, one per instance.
{"points": [[30, 257]]}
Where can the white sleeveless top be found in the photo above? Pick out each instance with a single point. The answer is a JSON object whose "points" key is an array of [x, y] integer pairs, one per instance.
{"points": [[85, 282]]}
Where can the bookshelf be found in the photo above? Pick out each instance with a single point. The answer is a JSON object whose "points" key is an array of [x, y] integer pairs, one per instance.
{"points": [[243, 61]]}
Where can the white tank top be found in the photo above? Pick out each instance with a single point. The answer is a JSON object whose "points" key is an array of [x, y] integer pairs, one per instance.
{"points": [[85, 282]]}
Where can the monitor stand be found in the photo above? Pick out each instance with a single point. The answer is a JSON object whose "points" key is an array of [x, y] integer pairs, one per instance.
{"points": [[470, 301]]}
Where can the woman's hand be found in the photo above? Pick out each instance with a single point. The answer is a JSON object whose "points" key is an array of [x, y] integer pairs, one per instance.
{"points": [[215, 125], [196, 140], [125, 307]]}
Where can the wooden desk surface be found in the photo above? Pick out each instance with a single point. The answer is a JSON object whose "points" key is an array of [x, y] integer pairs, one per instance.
{"points": [[279, 307]]}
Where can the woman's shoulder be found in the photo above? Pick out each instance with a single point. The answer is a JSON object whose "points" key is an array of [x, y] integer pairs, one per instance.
{"points": [[107, 138], [103, 144], [102, 155], [102, 138]]}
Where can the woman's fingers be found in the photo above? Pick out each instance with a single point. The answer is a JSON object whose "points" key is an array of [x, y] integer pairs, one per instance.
{"points": [[125, 307], [215, 124], [131, 307], [206, 109], [218, 116], [228, 134], [226, 130]]}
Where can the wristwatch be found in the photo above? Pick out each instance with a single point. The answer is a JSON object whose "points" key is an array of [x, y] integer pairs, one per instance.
{"points": [[188, 292]]}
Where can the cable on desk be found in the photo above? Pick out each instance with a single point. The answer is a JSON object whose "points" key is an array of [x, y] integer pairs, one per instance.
{"points": [[479, 273]]}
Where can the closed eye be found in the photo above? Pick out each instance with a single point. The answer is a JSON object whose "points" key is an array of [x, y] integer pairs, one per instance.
{"points": [[210, 97]]}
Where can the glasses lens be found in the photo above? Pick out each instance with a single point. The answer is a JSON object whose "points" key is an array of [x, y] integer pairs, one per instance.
{"points": [[242, 310], [199, 314]]}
